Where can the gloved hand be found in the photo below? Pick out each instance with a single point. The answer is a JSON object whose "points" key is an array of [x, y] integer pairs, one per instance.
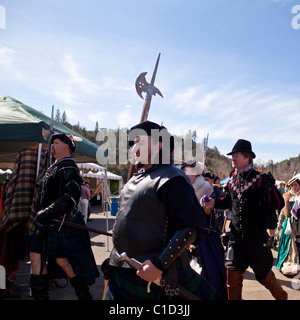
{"points": [[207, 202], [40, 221], [39, 228], [56, 210], [41, 216]]}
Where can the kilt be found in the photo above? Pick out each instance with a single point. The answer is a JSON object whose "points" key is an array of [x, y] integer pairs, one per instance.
{"points": [[70, 243], [124, 284]]}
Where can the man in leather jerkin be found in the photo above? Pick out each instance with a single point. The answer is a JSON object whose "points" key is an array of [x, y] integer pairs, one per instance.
{"points": [[159, 216]]}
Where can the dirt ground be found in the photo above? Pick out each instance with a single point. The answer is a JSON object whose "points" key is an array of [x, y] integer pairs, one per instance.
{"points": [[102, 246]]}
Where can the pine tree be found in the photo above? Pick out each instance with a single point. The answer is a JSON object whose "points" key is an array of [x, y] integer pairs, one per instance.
{"points": [[96, 127], [57, 117], [64, 117]]}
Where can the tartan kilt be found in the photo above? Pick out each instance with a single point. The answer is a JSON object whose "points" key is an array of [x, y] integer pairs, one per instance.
{"points": [[124, 284], [70, 243]]}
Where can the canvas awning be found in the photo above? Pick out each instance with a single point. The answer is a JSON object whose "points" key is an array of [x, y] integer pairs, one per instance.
{"points": [[99, 171], [8, 171], [22, 126]]}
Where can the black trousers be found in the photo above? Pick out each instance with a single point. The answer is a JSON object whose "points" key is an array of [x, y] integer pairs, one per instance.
{"points": [[243, 252]]}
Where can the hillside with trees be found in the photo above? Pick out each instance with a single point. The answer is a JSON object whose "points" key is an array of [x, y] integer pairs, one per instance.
{"points": [[219, 164], [285, 169]]}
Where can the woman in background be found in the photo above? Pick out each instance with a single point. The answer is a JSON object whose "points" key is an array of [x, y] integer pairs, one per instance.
{"points": [[288, 256], [210, 251]]}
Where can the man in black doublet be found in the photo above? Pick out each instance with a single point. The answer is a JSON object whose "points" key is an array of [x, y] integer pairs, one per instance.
{"points": [[253, 199], [67, 250]]}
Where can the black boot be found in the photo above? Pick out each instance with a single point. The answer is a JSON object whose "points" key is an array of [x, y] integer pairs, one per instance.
{"points": [[39, 286], [81, 288]]}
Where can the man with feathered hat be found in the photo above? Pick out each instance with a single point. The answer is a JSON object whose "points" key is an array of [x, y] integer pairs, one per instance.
{"points": [[67, 250]]}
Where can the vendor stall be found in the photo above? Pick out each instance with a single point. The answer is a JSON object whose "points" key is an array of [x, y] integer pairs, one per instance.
{"points": [[95, 175], [22, 126], [24, 134]]}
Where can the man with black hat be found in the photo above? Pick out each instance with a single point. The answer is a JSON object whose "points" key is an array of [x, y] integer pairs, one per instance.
{"points": [[253, 199], [68, 250], [159, 216]]}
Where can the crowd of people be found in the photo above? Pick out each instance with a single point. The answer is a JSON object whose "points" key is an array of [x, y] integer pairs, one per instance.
{"points": [[250, 196], [167, 217]]}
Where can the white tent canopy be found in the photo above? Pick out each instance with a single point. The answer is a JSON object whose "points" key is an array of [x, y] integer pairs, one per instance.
{"points": [[97, 181], [8, 171], [97, 171]]}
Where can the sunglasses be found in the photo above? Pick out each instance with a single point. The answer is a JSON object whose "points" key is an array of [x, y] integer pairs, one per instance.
{"points": [[190, 163]]}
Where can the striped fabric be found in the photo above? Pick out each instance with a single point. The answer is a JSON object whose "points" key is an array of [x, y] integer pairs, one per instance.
{"points": [[20, 189]]}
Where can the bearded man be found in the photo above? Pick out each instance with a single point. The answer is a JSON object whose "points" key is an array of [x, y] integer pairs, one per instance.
{"points": [[159, 216], [68, 250]]}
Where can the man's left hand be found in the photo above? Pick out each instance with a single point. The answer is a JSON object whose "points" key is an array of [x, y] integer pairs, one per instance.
{"points": [[41, 217]]}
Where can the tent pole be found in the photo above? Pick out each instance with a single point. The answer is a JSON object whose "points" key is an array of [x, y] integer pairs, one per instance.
{"points": [[38, 160], [37, 175], [106, 205]]}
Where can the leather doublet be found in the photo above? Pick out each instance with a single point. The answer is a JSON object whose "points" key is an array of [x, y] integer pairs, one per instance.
{"points": [[57, 177], [142, 221]]}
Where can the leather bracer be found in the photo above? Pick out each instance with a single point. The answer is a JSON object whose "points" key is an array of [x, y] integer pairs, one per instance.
{"points": [[177, 245], [56, 210]]}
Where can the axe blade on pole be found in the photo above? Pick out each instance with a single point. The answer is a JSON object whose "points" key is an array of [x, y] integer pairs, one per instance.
{"points": [[151, 90], [155, 70], [142, 86]]}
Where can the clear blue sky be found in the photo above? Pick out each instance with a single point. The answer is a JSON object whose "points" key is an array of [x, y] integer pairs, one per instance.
{"points": [[228, 68]]}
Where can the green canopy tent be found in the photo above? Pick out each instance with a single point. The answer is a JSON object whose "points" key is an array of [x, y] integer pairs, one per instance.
{"points": [[22, 126]]}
